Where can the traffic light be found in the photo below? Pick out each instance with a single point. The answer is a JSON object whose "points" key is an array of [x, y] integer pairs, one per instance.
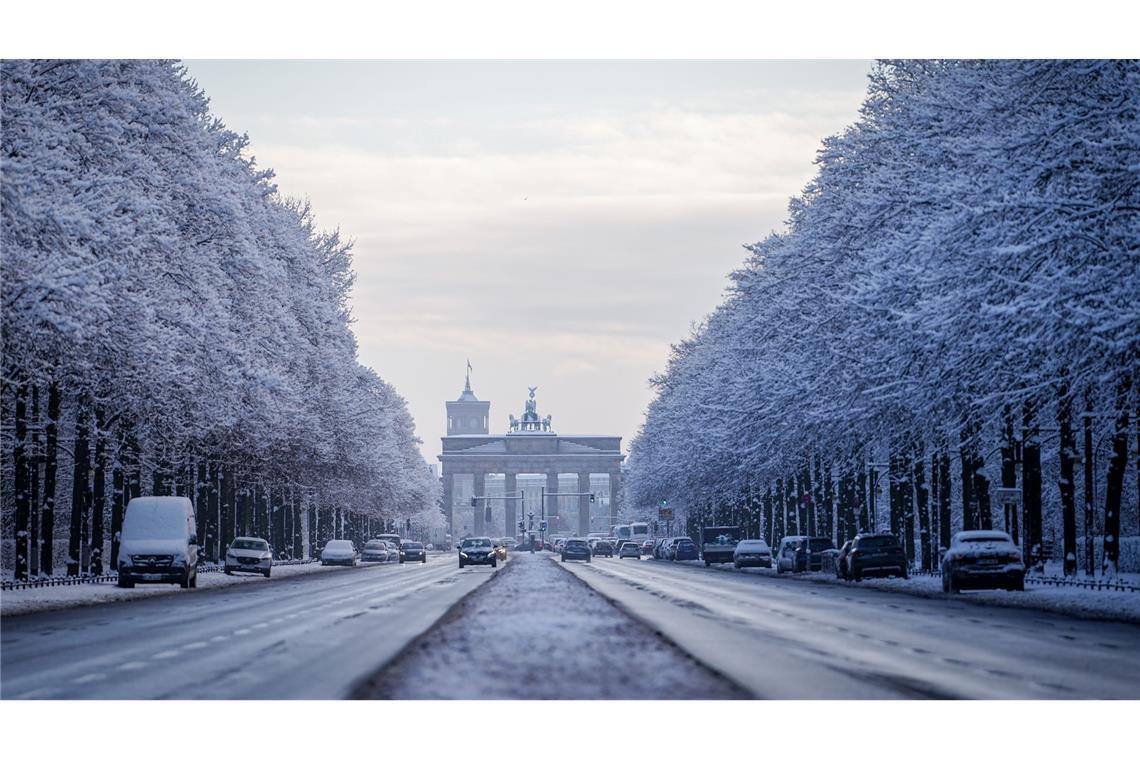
{"points": [[592, 498], [474, 502], [522, 525], [487, 513]]}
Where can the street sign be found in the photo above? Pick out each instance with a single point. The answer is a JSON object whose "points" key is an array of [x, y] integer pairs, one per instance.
{"points": [[1008, 496], [665, 514]]}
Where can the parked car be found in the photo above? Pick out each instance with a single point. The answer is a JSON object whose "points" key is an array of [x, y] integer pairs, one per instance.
{"points": [[647, 548], [982, 559], [158, 542], [393, 539], [798, 554], [249, 555], [603, 548], [375, 551], [875, 554], [339, 552], [841, 560], [576, 548], [718, 542], [622, 542], [752, 552], [657, 546], [412, 551], [477, 551], [629, 549], [684, 549]]}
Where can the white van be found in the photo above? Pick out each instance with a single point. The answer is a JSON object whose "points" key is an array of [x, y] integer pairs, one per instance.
{"points": [[159, 542]]}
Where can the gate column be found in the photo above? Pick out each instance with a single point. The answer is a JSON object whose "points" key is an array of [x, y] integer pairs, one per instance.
{"points": [[509, 505], [583, 504]]}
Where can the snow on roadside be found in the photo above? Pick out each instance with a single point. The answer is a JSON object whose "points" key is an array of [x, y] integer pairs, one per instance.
{"points": [[1067, 600], [25, 601], [538, 632]]}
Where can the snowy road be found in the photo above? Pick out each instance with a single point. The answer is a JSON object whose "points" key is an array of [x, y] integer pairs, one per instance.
{"points": [[307, 637], [781, 638]]}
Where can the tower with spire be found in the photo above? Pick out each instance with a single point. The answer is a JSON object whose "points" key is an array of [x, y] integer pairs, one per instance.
{"points": [[467, 415]]}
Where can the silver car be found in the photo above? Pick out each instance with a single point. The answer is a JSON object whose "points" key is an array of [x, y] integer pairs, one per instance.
{"points": [[375, 551], [249, 555], [339, 552]]}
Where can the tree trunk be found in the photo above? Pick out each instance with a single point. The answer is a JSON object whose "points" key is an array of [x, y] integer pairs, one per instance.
{"points": [[864, 503], [807, 502], [1031, 485], [906, 497], [202, 506], [1009, 475], [51, 464], [895, 478], [20, 481], [35, 457], [213, 521], [792, 517], [118, 506], [1066, 484], [923, 497], [99, 494], [945, 518], [778, 530], [829, 502], [1114, 487], [1089, 495], [78, 491]]}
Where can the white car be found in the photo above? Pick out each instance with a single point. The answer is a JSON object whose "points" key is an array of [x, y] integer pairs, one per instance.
{"points": [[982, 559], [375, 551], [339, 552], [752, 552], [629, 549], [249, 555]]}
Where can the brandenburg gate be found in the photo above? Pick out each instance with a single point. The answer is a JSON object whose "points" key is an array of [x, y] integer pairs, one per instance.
{"points": [[530, 456]]}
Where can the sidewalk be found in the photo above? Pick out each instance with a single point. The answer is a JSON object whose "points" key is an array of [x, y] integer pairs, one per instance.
{"points": [[537, 632]]}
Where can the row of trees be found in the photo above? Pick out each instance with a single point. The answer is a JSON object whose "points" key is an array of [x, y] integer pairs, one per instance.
{"points": [[953, 308], [173, 325]]}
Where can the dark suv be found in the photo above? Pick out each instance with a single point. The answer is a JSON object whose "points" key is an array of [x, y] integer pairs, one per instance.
{"points": [[576, 548], [603, 549], [875, 554]]}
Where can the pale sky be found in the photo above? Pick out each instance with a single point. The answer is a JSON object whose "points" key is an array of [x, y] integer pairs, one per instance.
{"points": [[558, 223]]}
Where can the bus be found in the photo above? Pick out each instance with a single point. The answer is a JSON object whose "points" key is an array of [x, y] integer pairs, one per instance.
{"points": [[639, 531], [620, 532]]}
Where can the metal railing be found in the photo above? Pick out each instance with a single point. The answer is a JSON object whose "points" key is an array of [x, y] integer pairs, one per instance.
{"points": [[80, 580]]}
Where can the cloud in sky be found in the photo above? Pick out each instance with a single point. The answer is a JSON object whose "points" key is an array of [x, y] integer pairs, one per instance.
{"points": [[559, 224]]}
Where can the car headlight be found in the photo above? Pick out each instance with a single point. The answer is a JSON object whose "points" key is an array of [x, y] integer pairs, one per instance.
{"points": [[178, 559], [464, 555]]}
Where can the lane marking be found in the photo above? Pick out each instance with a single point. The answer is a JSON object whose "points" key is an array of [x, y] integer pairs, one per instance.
{"points": [[132, 666], [165, 655], [89, 678]]}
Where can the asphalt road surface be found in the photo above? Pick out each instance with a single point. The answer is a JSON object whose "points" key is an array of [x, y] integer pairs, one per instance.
{"points": [[304, 637], [786, 639]]}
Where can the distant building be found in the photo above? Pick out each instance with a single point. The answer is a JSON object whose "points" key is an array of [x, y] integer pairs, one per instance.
{"points": [[507, 473]]}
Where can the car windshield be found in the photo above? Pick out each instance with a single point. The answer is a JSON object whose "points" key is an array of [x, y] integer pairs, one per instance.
{"points": [[820, 544], [684, 542], [339, 545], [376, 545], [878, 542], [476, 542], [576, 544], [250, 543], [986, 540], [605, 544], [413, 545], [155, 519], [752, 545]]}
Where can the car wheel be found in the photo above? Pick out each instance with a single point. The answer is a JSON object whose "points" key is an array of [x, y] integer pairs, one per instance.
{"points": [[401, 560], [266, 573], [1018, 585], [423, 559], [229, 572], [185, 582], [707, 563], [194, 579], [460, 564], [945, 583], [856, 575], [905, 574], [951, 586], [494, 563], [125, 582], [587, 560], [736, 565], [779, 569]]}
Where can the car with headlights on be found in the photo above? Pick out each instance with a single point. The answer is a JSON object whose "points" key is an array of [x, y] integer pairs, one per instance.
{"points": [[412, 551], [629, 549], [752, 552], [339, 552], [478, 550], [249, 555], [500, 550], [982, 559], [576, 548], [875, 554], [375, 550]]}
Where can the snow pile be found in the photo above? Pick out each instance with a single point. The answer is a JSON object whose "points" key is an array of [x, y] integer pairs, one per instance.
{"points": [[1079, 602], [537, 632], [25, 601]]}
